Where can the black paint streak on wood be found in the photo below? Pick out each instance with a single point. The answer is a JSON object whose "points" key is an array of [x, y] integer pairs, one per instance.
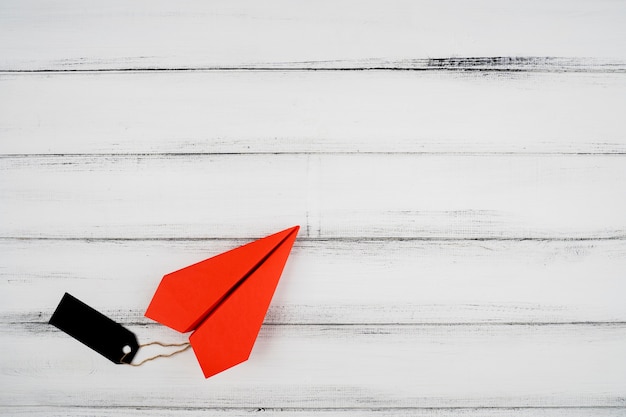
{"points": [[617, 237], [34, 322], [158, 155], [460, 64], [288, 409]]}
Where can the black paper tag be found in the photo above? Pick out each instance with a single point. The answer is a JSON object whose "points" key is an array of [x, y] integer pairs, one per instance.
{"points": [[94, 329]]}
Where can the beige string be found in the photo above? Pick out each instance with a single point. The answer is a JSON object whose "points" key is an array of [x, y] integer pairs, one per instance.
{"points": [[163, 355]]}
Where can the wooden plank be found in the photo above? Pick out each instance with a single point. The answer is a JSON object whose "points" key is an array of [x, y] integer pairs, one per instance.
{"points": [[263, 190], [331, 196], [304, 412], [337, 282], [268, 112], [473, 197], [35, 34], [334, 366]]}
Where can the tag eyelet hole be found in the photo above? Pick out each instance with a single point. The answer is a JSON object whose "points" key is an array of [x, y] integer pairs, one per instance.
{"points": [[126, 349]]}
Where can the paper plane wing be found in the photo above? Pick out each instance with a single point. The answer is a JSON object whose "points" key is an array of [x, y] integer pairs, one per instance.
{"points": [[224, 299]]}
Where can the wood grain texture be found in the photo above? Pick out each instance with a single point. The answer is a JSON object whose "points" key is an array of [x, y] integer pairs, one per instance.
{"points": [[37, 35], [331, 196], [304, 412], [337, 282], [329, 366], [312, 112], [457, 167]]}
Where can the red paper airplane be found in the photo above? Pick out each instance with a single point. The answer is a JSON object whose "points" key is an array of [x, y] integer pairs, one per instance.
{"points": [[224, 299]]}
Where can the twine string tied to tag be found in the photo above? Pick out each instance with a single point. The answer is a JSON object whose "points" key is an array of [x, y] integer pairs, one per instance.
{"points": [[186, 345]]}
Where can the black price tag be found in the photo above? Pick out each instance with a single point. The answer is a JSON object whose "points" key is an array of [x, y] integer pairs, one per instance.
{"points": [[94, 329]]}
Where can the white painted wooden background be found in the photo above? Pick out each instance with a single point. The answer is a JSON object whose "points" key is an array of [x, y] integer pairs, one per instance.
{"points": [[458, 169]]}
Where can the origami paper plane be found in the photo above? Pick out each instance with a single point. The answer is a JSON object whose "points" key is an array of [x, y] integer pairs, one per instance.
{"points": [[223, 299]]}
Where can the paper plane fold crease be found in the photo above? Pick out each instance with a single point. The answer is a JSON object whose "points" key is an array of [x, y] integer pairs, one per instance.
{"points": [[223, 299]]}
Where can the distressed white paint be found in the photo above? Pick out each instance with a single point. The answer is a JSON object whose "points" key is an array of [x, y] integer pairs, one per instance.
{"points": [[337, 282], [71, 34], [357, 196], [304, 412], [336, 366], [463, 241], [261, 111]]}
